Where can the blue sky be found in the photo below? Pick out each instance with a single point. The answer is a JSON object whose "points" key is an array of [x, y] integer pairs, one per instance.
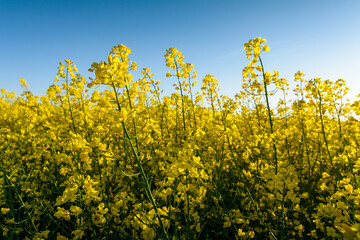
{"points": [[321, 38]]}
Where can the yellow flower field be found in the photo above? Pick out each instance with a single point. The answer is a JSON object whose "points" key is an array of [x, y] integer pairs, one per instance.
{"points": [[113, 158]]}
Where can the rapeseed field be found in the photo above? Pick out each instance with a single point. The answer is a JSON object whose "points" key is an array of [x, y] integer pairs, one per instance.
{"points": [[114, 158]]}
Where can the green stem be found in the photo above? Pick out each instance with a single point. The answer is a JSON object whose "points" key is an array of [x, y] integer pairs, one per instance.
{"points": [[142, 172], [182, 96], [68, 100], [269, 112]]}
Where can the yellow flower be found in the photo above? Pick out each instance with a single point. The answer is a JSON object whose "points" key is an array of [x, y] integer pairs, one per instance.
{"points": [[240, 233], [75, 210], [5, 210], [101, 209], [78, 234], [197, 227], [133, 66], [23, 83], [5, 231], [62, 213], [60, 237]]}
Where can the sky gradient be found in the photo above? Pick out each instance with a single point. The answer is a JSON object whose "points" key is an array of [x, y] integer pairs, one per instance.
{"points": [[320, 38]]}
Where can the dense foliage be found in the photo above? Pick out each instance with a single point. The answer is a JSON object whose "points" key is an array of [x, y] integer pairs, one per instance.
{"points": [[110, 157]]}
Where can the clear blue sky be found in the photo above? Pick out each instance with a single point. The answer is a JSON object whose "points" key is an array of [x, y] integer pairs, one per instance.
{"points": [[320, 37]]}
